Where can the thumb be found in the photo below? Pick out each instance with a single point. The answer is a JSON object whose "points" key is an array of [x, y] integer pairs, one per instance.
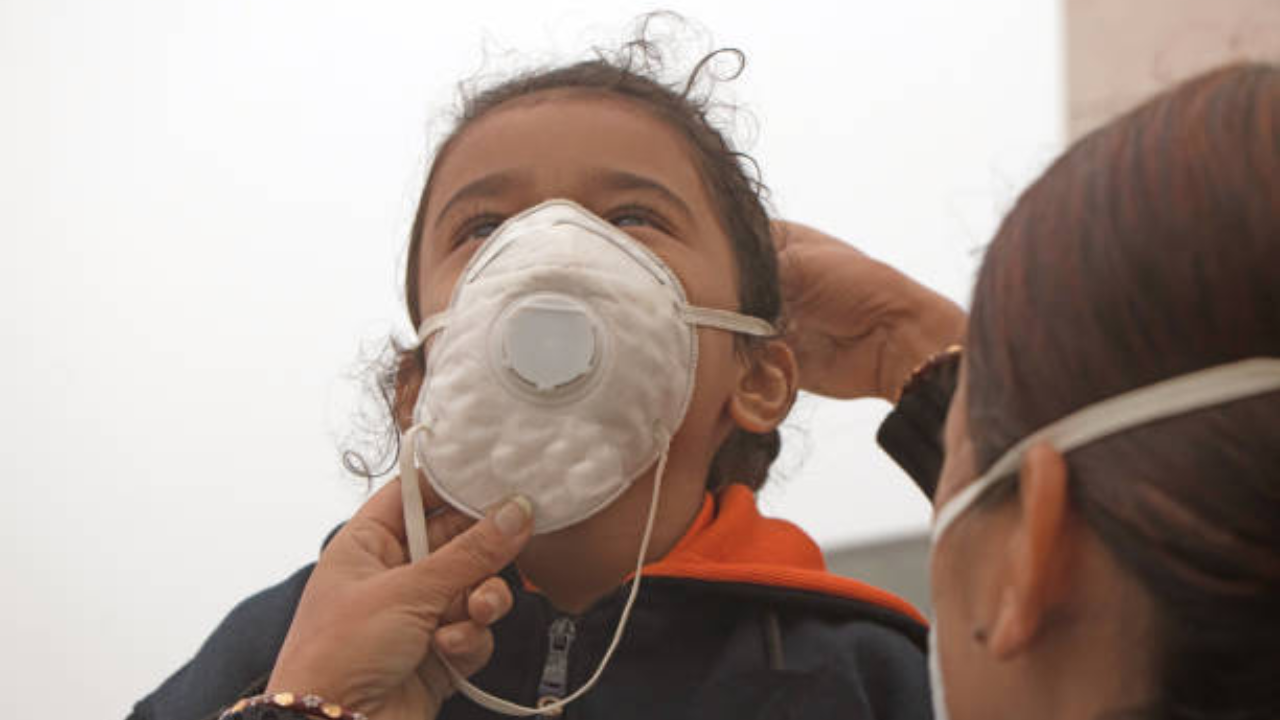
{"points": [[481, 552]]}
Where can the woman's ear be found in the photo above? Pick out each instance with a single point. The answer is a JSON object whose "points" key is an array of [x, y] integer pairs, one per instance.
{"points": [[766, 388], [1039, 567]]}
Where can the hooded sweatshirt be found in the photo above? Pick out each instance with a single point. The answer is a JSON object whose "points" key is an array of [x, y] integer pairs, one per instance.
{"points": [[739, 620]]}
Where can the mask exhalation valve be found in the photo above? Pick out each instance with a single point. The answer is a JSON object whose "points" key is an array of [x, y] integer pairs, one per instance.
{"points": [[549, 342]]}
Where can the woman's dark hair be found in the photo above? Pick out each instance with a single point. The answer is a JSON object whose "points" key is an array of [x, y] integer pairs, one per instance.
{"points": [[731, 178], [1149, 250]]}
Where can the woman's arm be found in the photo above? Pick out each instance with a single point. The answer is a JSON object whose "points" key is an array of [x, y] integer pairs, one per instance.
{"points": [[860, 328]]}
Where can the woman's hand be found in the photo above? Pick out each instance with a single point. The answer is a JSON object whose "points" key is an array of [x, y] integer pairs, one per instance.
{"points": [[857, 326], [363, 633]]}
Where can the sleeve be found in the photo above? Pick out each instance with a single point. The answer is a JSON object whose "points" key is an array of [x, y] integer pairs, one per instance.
{"points": [[912, 433]]}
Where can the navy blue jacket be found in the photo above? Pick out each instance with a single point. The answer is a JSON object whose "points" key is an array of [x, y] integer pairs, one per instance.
{"points": [[722, 628]]}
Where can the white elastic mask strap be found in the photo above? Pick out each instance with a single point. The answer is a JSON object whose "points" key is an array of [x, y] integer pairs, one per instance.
{"points": [[415, 520], [726, 320], [432, 325], [1176, 396], [692, 314], [937, 689], [415, 526]]}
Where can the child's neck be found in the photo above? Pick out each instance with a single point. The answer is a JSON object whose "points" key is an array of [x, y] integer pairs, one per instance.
{"points": [[576, 567]]}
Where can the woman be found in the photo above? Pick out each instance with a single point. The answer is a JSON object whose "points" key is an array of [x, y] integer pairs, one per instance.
{"points": [[1107, 529], [594, 205], [1140, 574]]}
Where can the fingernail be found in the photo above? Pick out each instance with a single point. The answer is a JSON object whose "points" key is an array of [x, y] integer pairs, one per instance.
{"points": [[512, 517]]}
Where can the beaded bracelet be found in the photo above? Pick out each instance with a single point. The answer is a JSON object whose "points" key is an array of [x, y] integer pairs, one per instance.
{"points": [[309, 705]]}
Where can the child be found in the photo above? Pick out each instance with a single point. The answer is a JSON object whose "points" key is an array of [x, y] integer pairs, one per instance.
{"points": [[737, 616]]}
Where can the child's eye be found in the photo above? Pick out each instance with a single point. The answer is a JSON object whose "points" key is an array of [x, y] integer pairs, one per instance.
{"points": [[483, 230], [477, 228], [631, 216], [630, 220]]}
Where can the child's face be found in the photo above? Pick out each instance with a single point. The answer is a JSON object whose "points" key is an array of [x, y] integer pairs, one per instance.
{"points": [[609, 155], [622, 163]]}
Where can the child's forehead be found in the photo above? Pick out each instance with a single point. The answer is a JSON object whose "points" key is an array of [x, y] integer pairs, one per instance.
{"points": [[570, 121], [570, 100], [565, 132]]}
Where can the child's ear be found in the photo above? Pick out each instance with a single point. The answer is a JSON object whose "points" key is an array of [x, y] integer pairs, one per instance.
{"points": [[409, 374], [766, 388]]}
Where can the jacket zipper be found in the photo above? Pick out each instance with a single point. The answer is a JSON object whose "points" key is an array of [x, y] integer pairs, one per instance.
{"points": [[555, 671]]}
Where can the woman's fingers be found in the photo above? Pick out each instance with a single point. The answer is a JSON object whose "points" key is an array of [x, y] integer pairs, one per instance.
{"points": [[378, 527], [456, 612], [857, 325], [495, 599], [443, 521], [485, 603], [466, 645], [489, 602], [444, 524], [432, 584]]}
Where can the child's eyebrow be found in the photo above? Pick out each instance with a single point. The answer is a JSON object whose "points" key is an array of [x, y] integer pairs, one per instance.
{"points": [[611, 179], [506, 181], [486, 187]]}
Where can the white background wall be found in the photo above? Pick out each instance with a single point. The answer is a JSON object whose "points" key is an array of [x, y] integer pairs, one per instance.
{"points": [[1119, 53], [203, 208]]}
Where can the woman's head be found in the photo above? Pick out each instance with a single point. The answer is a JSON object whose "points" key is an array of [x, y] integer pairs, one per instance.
{"points": [[609, 135], [1149, 250]]}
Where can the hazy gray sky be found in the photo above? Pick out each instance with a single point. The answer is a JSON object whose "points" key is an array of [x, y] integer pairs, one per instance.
{"points": [[204, 207]]}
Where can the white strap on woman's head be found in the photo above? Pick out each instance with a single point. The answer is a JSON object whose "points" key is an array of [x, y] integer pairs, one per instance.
{"points": [[416, 530], [1168, 398]]}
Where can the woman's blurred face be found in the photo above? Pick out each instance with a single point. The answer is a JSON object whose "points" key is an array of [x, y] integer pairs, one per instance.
{"points": [[965, 562]]}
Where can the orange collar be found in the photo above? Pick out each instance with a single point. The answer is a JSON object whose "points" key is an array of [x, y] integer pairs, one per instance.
{"points": [[731, 542]]}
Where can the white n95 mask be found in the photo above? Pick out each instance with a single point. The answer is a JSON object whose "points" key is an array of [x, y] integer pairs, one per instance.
{"points": [[1165, 399], [561, 369]]}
